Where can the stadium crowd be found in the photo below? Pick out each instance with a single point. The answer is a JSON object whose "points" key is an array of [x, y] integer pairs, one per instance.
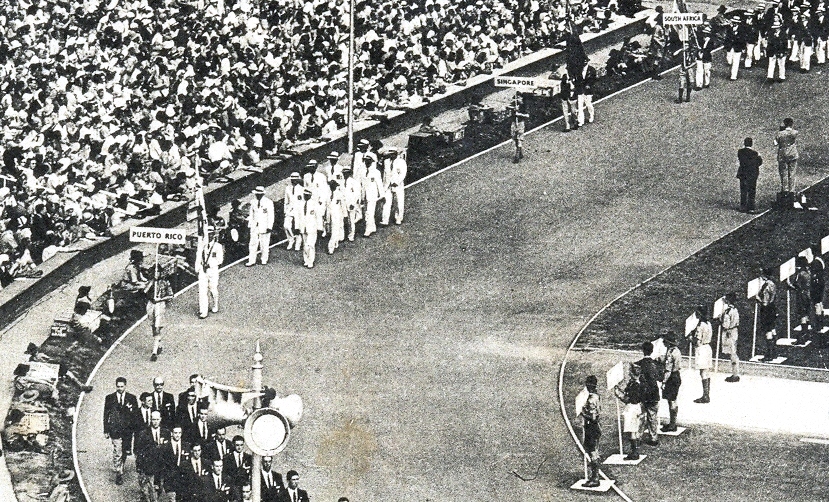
{"points": [[111, 107]]}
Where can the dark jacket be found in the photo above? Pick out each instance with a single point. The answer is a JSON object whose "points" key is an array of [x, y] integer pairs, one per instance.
{"points": [[119, 421], [750, 162], [649, 380]]}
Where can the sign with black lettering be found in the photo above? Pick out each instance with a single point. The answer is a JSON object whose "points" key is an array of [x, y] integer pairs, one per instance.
{"points": [[158, 235]]}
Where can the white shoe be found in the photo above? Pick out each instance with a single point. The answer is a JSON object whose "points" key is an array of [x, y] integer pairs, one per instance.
{"points": [[214, 309]]}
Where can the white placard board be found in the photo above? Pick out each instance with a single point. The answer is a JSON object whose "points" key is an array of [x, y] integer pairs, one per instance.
{"points": [[682, 18], [581, 399], [719, 306], [691, 323], [158, 235], [824, 245], [659, 349], [615, 375], [524, 82], [753, 288], [808, 254], [787, 270]]}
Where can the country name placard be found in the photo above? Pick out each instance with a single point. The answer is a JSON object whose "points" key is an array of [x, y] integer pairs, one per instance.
{"points": [[158, 235], [680, 18]]}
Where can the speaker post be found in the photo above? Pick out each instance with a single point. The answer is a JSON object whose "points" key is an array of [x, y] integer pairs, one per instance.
{"points": [[255, 477]]}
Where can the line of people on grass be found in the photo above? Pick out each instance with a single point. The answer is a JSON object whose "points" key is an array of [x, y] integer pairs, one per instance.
{"points": [[180, 455]]}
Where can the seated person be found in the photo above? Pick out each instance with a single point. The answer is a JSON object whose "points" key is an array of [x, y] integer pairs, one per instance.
{"points": [[427, 128]]}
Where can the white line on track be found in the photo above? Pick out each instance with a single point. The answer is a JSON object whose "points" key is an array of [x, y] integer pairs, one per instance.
{"points": [[814, 440]]}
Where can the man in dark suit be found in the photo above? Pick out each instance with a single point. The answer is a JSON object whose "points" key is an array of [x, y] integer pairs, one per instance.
{"points": [[215, 485], [271, 481], [174, 456], [219, 446], [201, 433], [120, 409], [165, 403], [182, 396], [187, 414], [748, 172], [237, 465], [190, 475], [649, 380], [293, 493], [148, 463]]}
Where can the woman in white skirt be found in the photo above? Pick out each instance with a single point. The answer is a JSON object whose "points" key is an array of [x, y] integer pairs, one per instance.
{"points": [[702, 342]]}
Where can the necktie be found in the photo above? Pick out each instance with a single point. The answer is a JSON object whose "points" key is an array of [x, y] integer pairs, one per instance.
{"points": [[157, 400], [120, 399], [146, 416], [155, 435], [216, 482], [203, 430], [192, 413], [294, 495]]}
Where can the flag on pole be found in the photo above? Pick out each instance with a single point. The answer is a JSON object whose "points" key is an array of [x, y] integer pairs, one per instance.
{"points": [[576, 57]]}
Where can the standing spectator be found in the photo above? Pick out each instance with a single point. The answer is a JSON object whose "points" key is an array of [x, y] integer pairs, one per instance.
{"points": [[650, 379], [120, 409], [237, 465], [671, 379], [800, 283], [818, 272], [767, 313], [569, 103], [730, 322], [260, 223], [187, 415], [628, 391], [271, 483], [158, 293], [585, 84], [748, 172], [701, 337], [656, 49], [209, 257], [589, 414], [787, 155], [174, 455]]}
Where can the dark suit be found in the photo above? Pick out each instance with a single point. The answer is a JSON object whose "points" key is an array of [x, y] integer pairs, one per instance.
{"points": [[188, 427], [211, 449], [285, 496], [748, 172], [190, 481], [167, 408], [238, 474], [120, 425], [270, 493], [148, 457], [195, 436], [209, 491], [172, 464], [119, 420]]}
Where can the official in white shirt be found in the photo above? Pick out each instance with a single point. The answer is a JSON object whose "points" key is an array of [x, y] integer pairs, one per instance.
{"points": [[293, 204], [310, 229], [210, 255], [373, 189], [394, 178]]}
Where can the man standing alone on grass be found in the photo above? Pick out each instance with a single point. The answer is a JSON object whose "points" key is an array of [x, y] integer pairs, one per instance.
{"points": [[650, 378], [592, 430], [748, 172], [787, 155], [730, 322], [671, 379]]}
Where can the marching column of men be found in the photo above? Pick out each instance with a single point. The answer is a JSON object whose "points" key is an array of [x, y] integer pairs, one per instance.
{"points": [[329, 199], [179, 457]]}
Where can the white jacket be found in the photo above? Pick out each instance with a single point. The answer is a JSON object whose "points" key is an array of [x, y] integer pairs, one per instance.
{"points": [[261, 217]]}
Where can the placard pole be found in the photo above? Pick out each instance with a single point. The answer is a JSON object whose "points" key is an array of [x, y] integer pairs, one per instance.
{"points": [[754, 336]]}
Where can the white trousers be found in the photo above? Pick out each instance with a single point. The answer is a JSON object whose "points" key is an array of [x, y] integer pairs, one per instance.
{"points": [[821, 51], [394, 197], [259, 243], [750, 54], [371, 217], [795, 56], [309, 248], [208, 286], [585, 101], [781, 65], [703, 75], [734, 61], [805, 57]]}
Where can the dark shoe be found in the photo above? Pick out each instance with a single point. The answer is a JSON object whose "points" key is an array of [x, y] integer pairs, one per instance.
{"points": [[576, 127], [657, 77], [154, 357], [678, 101], [634, 455], [669, 428], [733, 378], [702, 400], [593, 483], [160, 350], [651, 442], [119, 479]]}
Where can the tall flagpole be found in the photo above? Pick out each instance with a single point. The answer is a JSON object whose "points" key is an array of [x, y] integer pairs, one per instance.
{"points": [[351, 77]]}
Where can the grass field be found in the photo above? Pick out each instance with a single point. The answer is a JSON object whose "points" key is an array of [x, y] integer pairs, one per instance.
{"points": [[427, 355]]}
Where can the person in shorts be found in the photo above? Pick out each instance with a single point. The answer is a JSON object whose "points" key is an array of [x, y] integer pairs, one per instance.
{"points": [[592, 430], [671, 379], [730, 322]]}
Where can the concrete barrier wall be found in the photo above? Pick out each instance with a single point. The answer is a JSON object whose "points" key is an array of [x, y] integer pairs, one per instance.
{"points": [[241, 188]]}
